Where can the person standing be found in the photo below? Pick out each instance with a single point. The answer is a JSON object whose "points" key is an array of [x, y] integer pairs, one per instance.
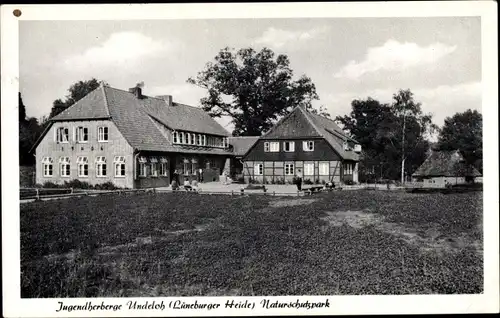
{"points": [[175, 179], [200, 171]]}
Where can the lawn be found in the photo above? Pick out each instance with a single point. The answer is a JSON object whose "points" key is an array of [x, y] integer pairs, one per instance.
{"points": [[183, 244]]}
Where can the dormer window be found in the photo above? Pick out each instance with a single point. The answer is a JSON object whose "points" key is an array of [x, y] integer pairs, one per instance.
{"points": [[181, 137], [204, 140], [308, 145], [176, 137], [272, 146], [62, 135], [357, 148], [347, 146], [198, 140], [188, 138], [81, 134], [289, 146]]}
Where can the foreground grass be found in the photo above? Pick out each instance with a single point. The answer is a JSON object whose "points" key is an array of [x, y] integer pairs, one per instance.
{"points": [[186, 244]]}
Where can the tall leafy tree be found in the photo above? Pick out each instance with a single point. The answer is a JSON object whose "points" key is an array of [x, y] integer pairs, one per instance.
{"points": [[412, 129], [390, 133], [464, 132], [29, 131], [253, 88], [76, 91]]}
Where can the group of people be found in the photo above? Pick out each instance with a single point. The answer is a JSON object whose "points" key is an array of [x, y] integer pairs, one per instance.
{"points": [[176, 178]]}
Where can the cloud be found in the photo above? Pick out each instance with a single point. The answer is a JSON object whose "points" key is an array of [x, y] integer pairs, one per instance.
{"points": [[395, 56], [122, 48], [277, 38]]}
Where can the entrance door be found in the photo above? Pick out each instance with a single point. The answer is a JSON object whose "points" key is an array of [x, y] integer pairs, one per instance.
{"points": [[171, 167]]}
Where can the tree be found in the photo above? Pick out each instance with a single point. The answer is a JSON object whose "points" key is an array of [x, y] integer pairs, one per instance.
{"points": [[414, 126], [390, 134], [22, 109], [76, 92], [29, 131], [253, 88], [464, 132]]}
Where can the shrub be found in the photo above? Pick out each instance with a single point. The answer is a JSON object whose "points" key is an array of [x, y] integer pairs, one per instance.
{"points": [[308, 181], [323, 182], [106, 186], [280, 180], [317, 181], [77, 184], [49, 184], [349, 182]]}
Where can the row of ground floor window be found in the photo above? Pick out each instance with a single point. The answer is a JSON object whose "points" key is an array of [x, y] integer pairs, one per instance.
{"points": [[277, 172], [147, 170]]}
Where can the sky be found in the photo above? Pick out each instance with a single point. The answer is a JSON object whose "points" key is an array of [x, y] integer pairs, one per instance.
{"points": [[439, 59]]}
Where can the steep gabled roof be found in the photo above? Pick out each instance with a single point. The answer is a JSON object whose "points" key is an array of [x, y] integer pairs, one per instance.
{"points": [[135, 117], [91, 106], [445, 164], [301, 123], [242, 144]]}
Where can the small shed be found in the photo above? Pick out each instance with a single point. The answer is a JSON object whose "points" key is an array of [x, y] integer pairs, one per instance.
{"points": [[445, 167]]}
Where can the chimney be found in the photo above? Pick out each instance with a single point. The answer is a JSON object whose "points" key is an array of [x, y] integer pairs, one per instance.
{"points": [[167, 98], [137, 90]]}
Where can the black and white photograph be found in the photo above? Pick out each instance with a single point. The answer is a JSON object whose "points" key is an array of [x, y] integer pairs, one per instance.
{"points": [[164, 161]]}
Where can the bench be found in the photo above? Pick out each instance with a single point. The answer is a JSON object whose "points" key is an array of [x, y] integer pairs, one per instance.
{"points": [[312, 189]]}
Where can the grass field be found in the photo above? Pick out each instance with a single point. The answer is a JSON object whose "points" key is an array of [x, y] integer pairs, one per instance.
{"points": [[182, 244]]}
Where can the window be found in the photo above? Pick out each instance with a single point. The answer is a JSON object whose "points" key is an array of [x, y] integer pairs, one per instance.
{"points": [[185, 167], [308, 145], [62, 135], [347, 146], [289, 169], [193, 139], [188, 138], [289, 146], [64, 167], [198, 140], [119, 163], [308, 169], [83, 166], [142, 166], [181, 137], [163, 166], [47, 163], [102, 134], [100, 166], [348, 168], [271, 146], [324, 168], [258, 169], [176, 137], [274, 146], [154, 166], [194, 166], [204, 140], [82, 134]]}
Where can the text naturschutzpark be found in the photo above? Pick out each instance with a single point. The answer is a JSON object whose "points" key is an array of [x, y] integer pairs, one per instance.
{"points": [[196, 305]]}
